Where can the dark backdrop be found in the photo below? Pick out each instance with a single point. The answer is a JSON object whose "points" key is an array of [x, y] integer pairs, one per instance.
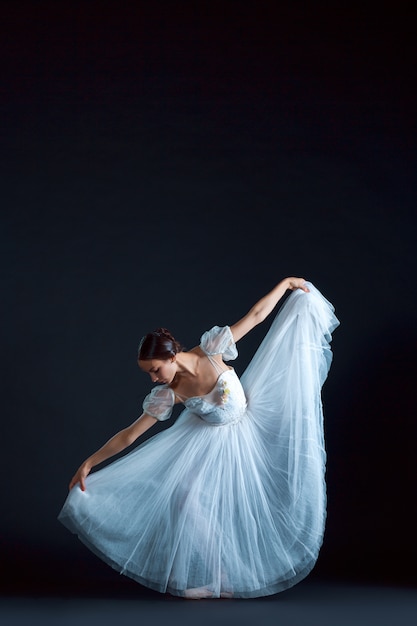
{"points": [[166, 163]]}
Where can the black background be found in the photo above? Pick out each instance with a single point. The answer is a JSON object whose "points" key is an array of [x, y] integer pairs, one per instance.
{"points": [[166, 163]]}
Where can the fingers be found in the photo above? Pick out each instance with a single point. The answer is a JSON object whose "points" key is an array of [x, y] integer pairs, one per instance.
{"points": [[77, 479], [299, 283]]}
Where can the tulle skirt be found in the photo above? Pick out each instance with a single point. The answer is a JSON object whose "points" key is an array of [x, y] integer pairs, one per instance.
{"points": [[231, 511]]}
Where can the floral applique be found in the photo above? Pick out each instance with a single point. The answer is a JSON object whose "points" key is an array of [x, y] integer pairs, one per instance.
{"points": [[225, 392]]}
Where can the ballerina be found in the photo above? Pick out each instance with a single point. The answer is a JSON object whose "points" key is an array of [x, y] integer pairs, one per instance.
{"points": [[230, 501]]}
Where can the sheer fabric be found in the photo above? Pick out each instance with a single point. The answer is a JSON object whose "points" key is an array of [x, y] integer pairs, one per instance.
{"points": [[230, 500]]}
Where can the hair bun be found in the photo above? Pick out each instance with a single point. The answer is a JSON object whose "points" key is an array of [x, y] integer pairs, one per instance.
{"points": [[159, 344], [164, 332]]}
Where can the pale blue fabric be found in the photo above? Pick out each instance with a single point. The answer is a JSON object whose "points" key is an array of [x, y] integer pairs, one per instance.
{"points": [[159, 403], [232, 497]]}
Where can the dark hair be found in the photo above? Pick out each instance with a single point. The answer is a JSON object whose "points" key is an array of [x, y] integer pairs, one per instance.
{"points": [[159, 344]]}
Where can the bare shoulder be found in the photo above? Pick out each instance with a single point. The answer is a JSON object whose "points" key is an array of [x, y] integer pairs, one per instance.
{"points": [[202, 360], [196, 350]]}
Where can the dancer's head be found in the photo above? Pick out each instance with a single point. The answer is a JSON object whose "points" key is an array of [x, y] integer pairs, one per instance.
{"points": [[157, 355]]}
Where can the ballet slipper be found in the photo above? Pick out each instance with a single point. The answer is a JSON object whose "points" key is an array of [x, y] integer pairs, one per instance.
{"points": [[198, 593]]}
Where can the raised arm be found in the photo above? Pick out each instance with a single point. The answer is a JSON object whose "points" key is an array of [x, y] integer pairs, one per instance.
{"points": [[265, 305], [117, 443]]}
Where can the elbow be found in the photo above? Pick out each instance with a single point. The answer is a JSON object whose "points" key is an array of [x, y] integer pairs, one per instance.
{"points": [[258, 316], [128, 437]]}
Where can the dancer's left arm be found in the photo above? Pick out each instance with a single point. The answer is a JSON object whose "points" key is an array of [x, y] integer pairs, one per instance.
{"points": [[265, 305]]}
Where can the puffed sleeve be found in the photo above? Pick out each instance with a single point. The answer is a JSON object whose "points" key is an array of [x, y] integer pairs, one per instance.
{"points": [[219, 340], [159, 403]]}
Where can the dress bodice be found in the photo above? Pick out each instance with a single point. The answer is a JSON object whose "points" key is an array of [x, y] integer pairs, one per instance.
{"points": [[224, 404]]}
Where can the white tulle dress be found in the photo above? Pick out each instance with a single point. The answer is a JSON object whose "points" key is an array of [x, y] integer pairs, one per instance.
{"points": [[230, 500]]}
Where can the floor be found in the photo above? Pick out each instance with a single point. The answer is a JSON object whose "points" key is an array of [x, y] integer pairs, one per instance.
{"points": [[311, 604]]}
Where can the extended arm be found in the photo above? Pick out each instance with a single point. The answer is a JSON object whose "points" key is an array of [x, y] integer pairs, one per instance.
{"points": [[117, 443], [265, 305]]}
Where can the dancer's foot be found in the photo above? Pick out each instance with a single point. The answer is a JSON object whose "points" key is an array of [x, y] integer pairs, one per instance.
{"points": [[198, 593]]}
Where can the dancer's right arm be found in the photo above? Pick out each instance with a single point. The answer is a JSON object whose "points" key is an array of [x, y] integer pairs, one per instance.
{"points": [[117, 443]]}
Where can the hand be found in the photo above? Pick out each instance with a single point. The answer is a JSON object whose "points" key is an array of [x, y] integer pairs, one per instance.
{"points": [[297, 283], [80, 476]]}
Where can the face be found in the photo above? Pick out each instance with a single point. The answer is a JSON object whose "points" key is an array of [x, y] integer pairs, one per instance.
{"points": [[160, 371]]}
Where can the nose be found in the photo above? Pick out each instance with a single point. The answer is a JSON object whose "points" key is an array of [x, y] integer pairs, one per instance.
{"points": [[154, 379]]}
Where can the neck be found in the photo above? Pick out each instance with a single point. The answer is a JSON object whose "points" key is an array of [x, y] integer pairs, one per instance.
{"points": [[187, 364]]}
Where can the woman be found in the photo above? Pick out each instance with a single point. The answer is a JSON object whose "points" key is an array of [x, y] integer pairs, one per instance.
{"points": [[229, 501]]}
